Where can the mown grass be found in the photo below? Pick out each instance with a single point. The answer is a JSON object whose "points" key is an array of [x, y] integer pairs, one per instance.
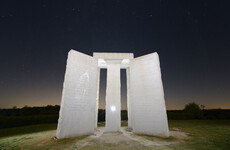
{"points": [[44, 140], [153, 138], [26, 129], [203, 135]]}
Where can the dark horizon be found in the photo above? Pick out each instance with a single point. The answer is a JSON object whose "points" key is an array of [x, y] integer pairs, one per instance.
{"points": [[26, 106], [191, 38]]}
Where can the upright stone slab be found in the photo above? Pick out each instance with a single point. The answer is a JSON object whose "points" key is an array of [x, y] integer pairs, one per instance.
{"points": [[77, 113], [113, 98], [147, 96]]}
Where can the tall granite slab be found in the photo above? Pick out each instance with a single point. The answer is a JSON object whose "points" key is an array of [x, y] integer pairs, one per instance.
{"points": [[77, 113], [147, 96], [113, 98]]}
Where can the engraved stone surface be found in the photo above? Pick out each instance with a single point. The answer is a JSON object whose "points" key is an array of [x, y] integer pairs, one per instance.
{"points": [[148, 115], [77, 113]]}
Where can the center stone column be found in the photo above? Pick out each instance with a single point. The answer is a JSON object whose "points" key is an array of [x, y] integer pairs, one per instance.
{"points": [[113, 98]]}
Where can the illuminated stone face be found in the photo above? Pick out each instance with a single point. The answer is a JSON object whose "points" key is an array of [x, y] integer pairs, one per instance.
{"points": [[145, 96]]}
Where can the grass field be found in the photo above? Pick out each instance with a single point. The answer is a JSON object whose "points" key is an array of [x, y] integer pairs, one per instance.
{"points": [[205, 134], [200, 135]]}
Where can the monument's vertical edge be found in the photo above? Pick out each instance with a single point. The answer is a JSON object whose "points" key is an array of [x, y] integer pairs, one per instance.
{"points": [[97, 98], [77, 112], [165, 128], [147, 96], [129, 111]]}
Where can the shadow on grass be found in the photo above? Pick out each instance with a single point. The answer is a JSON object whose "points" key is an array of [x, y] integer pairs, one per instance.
{"points": [[26, 129]]}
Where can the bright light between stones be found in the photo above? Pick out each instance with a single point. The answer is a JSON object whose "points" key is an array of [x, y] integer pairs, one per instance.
{"points": [[113, 108]]}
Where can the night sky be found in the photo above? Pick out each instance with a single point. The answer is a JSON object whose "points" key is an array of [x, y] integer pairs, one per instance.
{"points": [[192, 39]]}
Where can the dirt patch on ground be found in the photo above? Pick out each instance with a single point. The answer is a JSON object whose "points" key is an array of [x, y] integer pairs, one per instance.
{"points": [[179, 135], [128, 140], [43, 141]]}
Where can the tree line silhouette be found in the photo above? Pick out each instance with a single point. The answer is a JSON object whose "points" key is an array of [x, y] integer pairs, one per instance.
{"points": [[14, 117]]}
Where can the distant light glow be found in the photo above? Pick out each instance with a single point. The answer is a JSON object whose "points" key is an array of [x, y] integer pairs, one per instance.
{"points": [[113, 108]]}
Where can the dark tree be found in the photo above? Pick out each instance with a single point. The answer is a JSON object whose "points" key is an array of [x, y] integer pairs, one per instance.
{"points": [[193, 111], [202, 107]]}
